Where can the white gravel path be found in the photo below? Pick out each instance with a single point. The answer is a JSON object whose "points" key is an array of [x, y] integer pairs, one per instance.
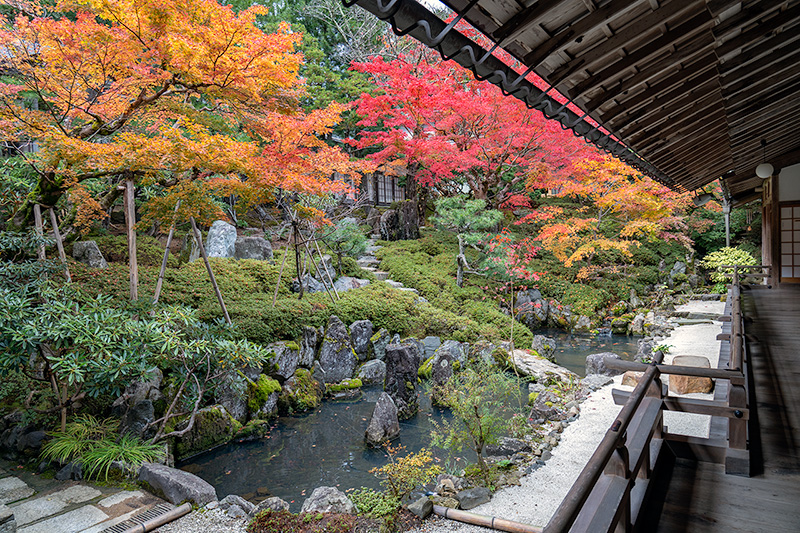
{"points": [[541, 492]]}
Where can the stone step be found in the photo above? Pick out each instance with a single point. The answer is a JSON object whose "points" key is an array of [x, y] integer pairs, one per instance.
{"points": [[395, 284], [369, 268], [409, 289], [375, 236], [367, 261], [380, 275], [13, 489]]}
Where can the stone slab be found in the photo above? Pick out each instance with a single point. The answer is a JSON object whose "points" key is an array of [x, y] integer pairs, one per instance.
{"points": [[71, 522], [690, 384], [120, 497], [13, 489], [102, 526], [55, 502]]}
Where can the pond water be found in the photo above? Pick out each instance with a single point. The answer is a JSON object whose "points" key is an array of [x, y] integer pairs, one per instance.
{"points": [[326, 446]]}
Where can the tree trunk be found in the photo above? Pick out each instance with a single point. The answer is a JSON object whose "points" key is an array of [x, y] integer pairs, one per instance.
{"points": [[130, 223], [60, 245], [37, 214], [461, 260]]}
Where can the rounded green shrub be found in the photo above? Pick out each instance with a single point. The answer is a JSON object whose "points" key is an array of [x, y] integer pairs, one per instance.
{"points": [[725, 256]]}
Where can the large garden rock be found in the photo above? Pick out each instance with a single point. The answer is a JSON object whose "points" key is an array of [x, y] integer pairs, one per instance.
{"points": [[328, 500], [595, 364], [507, 447], [231, 393], [213, 426], [176, 486], [378, 344], [221, 240], [384, 425], [560, 316], [430, 344], [301, 392], [372, 372], [583, 324], [532, 309], [619, 326], [137, 418], [545, 408], [360, 334], [401, 379], [310, 285], [636, 326], [309, 343], [326, 269], [346, 283], [470, 498], [232, 500], [389, 225], [423, 507], [690, 384], [374, 218], [544, 346], [644, 350], [417, 349], [88, 253], [455, 349], [336, 356], [253, 248], [539, 367], [287, 358], [482, 351], [270, 504]]}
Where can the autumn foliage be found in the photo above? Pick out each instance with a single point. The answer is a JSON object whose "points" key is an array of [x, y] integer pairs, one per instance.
{"points": [[161, 93], [433, 120]]}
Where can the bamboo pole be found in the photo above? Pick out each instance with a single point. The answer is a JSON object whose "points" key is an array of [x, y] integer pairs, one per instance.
{"points": [[37, 217], [130, 222], [280, 272], [316, 271], [324, 264], [59, 244], [210, 272], [498, 524], [166, 255]]}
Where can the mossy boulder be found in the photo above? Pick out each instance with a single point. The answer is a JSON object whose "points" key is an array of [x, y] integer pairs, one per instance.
{"points": [[336, 356], [232, 394], [347, 389], [262, 397], [286, 359], [378, 343], [255, 429], [300, 393], [213, 426], [619, 325]]}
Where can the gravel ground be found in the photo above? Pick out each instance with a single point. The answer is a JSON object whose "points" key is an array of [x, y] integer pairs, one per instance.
{"points": [[205, 521], [541, 492]]}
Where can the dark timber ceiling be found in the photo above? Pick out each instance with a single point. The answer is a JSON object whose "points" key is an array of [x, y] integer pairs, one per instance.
{"points": [[685, 90]]}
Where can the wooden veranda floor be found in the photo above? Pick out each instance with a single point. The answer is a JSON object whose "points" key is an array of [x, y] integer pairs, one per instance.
{"points": [[698, 497]]}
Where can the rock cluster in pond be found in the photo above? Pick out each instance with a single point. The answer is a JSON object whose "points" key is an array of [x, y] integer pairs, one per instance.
{"points": [[384, 424]]}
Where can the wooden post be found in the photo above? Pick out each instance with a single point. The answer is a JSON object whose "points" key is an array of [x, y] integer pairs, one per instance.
{"points": [[325, 265], [208, 268], [166, 255], [60, 245], [130, 222], [37, 217], [316, 270]]}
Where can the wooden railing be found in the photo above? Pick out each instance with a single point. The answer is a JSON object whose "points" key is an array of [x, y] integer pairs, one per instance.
{"points": [[609, 493]]}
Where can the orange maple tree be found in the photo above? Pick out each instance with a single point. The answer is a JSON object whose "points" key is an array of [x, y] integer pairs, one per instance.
{"points": [[619, 208], [161, 92]]}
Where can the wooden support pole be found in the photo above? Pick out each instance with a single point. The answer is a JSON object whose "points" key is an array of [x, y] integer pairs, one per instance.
{"points": [[166, 255], [280, 272], [60, 245], [208, 268], [130, 223], [316, 270], [37, 218], [325, 265]]}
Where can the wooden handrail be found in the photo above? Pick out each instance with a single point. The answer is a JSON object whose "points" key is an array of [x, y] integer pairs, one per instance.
{"points": [[570, 507], [714, 373]]}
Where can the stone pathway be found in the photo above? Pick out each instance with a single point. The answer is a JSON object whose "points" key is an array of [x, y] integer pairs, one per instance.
{"points": [[370, 263], [42, 505]]}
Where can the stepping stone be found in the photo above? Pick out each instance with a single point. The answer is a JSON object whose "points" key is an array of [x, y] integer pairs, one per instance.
{"points": [[395, 284], [52, 503], [690, 384], [369, 268], [366, 261], [381, 275], [408, 289], [120, 497], [71, 522], [13, 489]]}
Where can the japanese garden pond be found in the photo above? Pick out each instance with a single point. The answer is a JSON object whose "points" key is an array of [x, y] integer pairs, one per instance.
{"points": [[326, 446]]}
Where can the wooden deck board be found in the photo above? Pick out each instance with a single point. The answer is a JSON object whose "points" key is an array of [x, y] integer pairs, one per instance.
{"points": [[700, 497]]}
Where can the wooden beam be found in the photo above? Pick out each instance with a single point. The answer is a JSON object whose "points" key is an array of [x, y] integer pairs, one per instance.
{"points": [[130, 223], [679, 34], [692, 75], [700, 99], [39, 225], [60, 244], [644, 24], [651, 72], [199, 238], [579, 28], [524, 19], [756, 54], [757, 33]]}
